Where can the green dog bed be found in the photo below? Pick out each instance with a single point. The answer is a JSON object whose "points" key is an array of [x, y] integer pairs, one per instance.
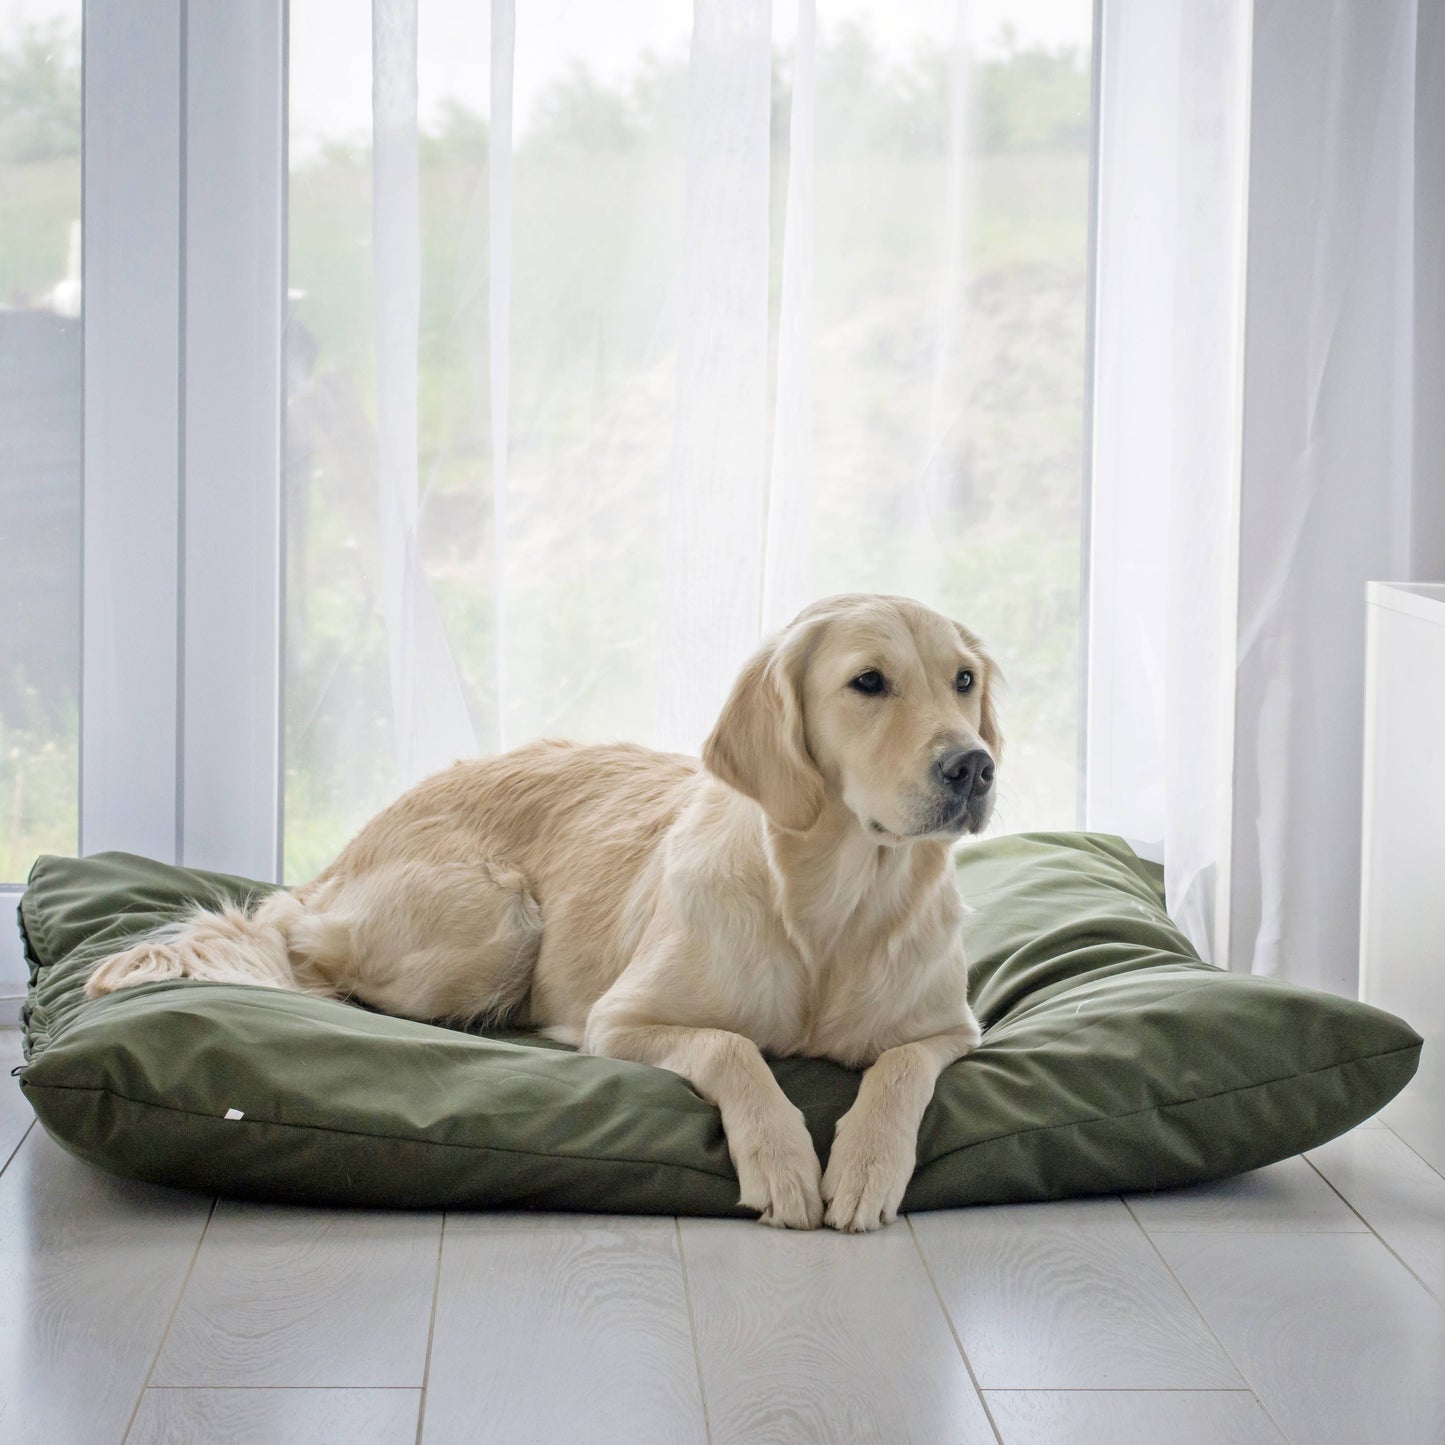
{"points": [[1113, 1059]]}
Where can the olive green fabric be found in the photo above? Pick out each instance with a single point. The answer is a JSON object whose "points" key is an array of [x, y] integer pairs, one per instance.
{"points": [[1113, 1059]]}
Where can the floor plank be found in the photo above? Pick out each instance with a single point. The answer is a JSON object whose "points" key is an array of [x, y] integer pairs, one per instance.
{"points": [[1288, 1197], [90, 1269], [1341, 1344], [325, 1297], [1131, 1417], [276, 1417], [1067, 1296], [1400, 1196], [474, 1221], [16, 1115], [824, 1337], [562, 1327]]}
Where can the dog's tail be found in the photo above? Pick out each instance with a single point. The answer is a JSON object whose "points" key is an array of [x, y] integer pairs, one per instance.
{"points": [[223, 944]]}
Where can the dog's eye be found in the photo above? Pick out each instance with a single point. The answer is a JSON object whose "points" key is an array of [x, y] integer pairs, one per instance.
{"points": [[964, 681], [871, 683]]}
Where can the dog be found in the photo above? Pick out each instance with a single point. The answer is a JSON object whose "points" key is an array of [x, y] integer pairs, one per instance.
{"points": [[793, 893]]}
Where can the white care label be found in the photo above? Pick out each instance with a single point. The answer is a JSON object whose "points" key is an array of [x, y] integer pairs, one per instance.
{"points": [[235, 1114]]}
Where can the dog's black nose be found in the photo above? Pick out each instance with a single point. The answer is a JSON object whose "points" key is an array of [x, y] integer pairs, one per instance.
{"points": [[968, 771]]}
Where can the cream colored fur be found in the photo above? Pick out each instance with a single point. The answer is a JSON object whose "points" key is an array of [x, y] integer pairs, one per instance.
{"points": [[792, 895]]}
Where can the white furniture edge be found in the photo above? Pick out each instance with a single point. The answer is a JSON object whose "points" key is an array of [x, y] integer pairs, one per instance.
{"points": [[1415, 1115], [1414, 599]]}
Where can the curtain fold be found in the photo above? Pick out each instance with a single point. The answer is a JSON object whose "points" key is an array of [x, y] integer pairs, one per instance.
{"points": [[788, 559], [932, 473], [1168, 374], [433, 727], [1258, 370], [716, 472], [499, 321]]}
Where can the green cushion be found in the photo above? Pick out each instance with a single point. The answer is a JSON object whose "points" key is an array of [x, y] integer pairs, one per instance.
{"points": [[1113, 1059]]}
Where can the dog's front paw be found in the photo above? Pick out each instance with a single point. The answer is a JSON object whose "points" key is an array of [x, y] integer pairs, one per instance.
{"points": [[779, 1175], [868, 1170]]}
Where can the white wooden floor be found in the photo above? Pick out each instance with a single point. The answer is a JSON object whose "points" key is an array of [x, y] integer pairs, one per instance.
{"points": [[1305, 1302]]}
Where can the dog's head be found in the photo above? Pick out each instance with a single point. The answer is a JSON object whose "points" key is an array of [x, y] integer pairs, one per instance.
{"points": [[875, 702]]}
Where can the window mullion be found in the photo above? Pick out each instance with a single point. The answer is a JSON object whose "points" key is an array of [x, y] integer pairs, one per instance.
{"points": [[234, 294], [131, 496]]}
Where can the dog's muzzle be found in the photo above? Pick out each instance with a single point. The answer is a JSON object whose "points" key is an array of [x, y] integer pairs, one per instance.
{"points": [[966, 772], [964, 777]]}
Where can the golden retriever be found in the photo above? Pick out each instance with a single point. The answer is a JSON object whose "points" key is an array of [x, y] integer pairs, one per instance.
{"points": [[793, 894]]}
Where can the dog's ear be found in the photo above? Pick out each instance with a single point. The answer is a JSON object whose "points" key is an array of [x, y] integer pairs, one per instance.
{"points": [[759, 746], [988, 728]]}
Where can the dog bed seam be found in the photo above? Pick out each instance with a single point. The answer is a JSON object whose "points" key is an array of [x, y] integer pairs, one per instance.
{"points": [[1173, 1103], [708, 1173], [364, 1134]]}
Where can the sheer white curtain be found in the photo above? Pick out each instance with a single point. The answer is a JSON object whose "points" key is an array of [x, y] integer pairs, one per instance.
{"points": [[669, 319], [433, 727], [735, 492], [1269, 337], [1173, 163], [716, 475], [737, 529]]}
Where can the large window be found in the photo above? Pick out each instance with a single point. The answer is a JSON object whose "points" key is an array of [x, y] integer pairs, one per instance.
{"points": [[602, 354], [922, 335], [40, 430]]}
